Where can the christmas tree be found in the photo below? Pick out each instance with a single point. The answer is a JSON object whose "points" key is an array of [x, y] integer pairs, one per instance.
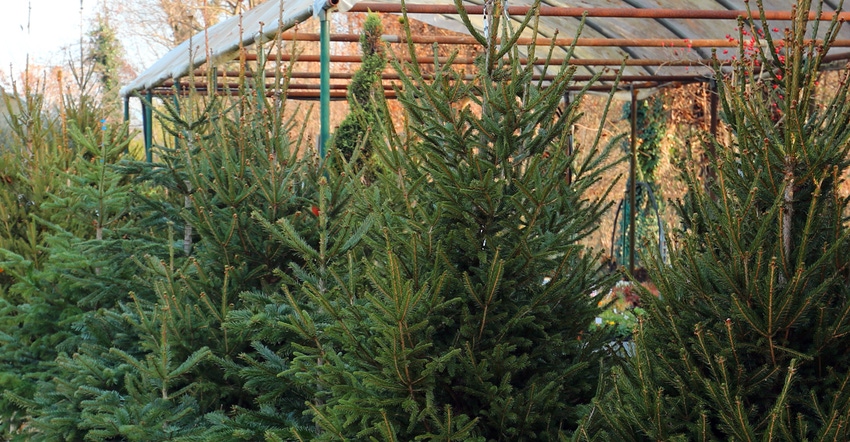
{"points": [[749, 338], [48, 205], [123, 327], [464, 313]]}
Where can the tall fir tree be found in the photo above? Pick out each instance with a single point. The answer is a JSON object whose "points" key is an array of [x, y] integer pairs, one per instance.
{"points": [[467, 316], [34, 162], [229, 160], [145, 353], [748, 340], [85, 271]]}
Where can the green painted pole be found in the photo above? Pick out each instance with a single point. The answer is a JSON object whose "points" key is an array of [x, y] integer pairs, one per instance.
{"points": [[633, 182], [148, 126], [127, 121], [177, 109], [324, 84]]}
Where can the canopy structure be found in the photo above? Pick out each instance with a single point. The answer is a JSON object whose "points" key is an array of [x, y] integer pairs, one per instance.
{"points": [[223, 40], [656, 39], [646, 44]]}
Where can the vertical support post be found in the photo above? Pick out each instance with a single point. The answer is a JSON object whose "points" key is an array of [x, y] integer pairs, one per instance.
{"points": [[324, 83], [148, 125], [709, 172], [176, 109], [127, 120], [633, 181], [569, 138], [713, 101]]}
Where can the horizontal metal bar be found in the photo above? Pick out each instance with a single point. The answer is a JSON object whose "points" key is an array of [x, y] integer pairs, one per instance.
{"points": [[548, 77], [335, 94], [553, 11], [836, 57], [582, 42], [468, 77], [469, 60], [188, 85]]}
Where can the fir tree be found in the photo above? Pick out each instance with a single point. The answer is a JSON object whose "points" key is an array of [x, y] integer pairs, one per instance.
{"points": [[105, 54], [365, 94], [90, 237], [234, 170], [32, 163], [467, 317], [141, 350], [749, 338]]}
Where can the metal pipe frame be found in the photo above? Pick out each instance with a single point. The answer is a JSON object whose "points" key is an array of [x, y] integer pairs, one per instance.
{"points": [[147, 124], [632, 179], [554, 11], [467, 77], [298, 94], [469, 60], [584, 42], [335, 93], [324, 79], [184, 85], [448, 9]]}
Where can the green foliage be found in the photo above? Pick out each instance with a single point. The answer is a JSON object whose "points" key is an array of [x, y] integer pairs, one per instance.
{"points": [[240, 289], [105, 53], [445, 329], [233, 165], [86, 268], [31, 314], [104, 332], [651, 128], [749, 339], [365, 94]]}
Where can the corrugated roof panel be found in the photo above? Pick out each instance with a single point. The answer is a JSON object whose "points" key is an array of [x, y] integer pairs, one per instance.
{"points": [[278, 15]]}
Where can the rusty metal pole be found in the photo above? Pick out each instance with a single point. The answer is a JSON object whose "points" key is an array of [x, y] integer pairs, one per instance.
{"points": [[569, 139], [710, 171], [555, 11], [536, 62], [568, 41], [633, 181], [713, 98]]}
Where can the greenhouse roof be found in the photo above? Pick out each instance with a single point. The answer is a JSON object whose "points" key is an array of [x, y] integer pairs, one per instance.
{"points": [[657, 40]]}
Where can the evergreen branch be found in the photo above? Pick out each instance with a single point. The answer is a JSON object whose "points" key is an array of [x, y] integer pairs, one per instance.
{"points": [[284, 231]]}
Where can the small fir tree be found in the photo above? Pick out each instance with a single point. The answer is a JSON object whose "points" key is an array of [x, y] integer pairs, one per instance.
{"points": [[749, 338]]}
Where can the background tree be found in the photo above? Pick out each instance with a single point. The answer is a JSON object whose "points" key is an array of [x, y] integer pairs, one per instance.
{"points": [[160, 25], [749, 338], [365, 94], [106, 55]]}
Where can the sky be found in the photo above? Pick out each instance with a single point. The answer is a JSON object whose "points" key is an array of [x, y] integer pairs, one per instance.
{"points": [[54, 27]]}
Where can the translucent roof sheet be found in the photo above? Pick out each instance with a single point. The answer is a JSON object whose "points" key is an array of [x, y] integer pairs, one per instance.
{"points": [[222, 40], [672, 35]]}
